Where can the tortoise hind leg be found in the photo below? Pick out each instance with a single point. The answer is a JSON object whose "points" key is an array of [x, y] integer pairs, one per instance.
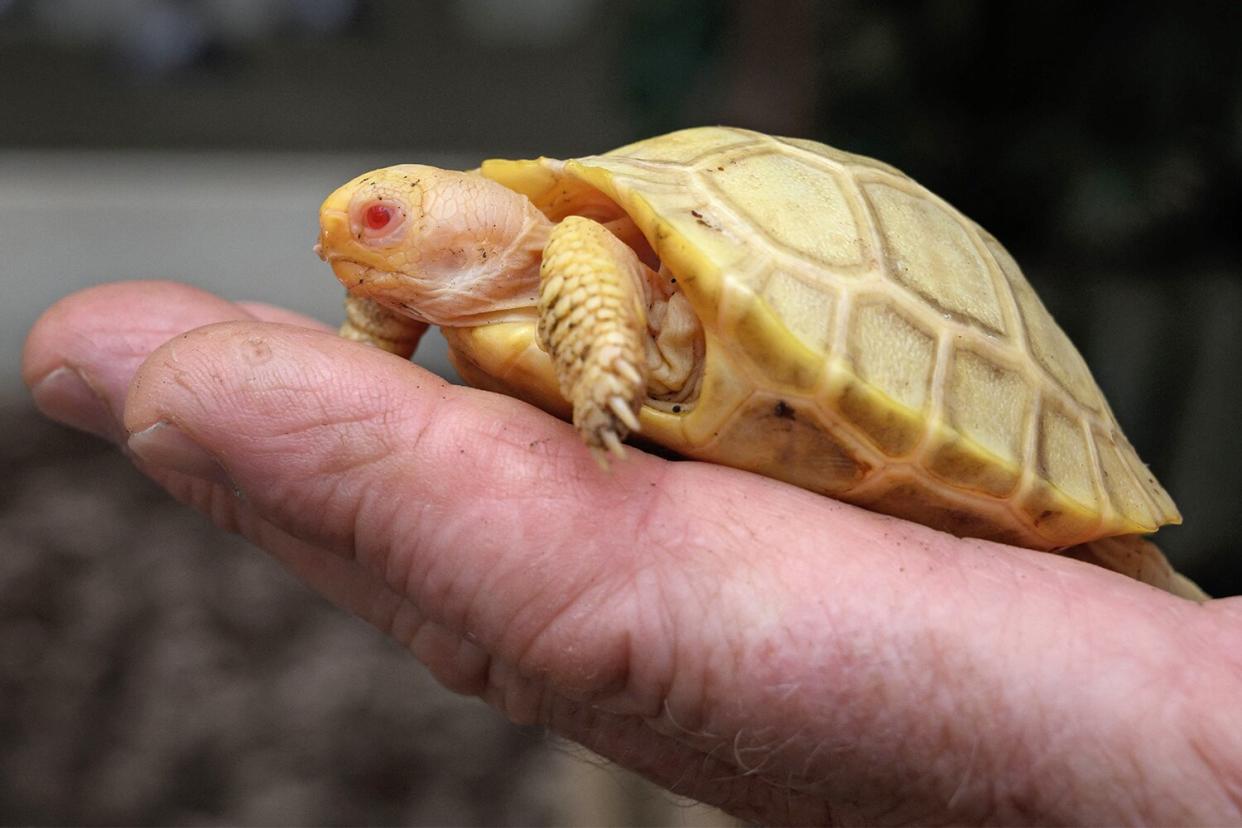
{"points": [[593, 323], [1142, 560]]}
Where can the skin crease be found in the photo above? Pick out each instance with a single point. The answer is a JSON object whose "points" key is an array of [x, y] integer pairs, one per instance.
{"points": [[812, 663]]}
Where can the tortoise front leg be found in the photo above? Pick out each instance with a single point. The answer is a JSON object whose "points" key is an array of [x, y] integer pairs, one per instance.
{"points": [[368, 321], [593, 323]]}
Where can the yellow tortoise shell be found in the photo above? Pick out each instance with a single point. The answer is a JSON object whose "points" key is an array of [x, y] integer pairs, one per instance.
{"points": [[864, 340]]}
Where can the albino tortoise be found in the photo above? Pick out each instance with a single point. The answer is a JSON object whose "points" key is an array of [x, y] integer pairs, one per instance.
{"points": [[767, 303]]}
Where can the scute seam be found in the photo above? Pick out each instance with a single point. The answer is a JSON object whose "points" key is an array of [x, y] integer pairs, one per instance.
{"points": [[1013, 350]]}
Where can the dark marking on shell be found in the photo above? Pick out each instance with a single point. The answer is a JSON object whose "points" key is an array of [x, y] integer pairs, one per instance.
{"points": [[701, 220]]}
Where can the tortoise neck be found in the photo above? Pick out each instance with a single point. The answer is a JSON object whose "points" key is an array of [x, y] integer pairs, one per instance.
{"points": [[479, 246]]}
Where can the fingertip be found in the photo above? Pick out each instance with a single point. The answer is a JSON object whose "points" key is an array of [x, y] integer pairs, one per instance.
{"points": [[81, 354], [64, 395], [128, 319]]}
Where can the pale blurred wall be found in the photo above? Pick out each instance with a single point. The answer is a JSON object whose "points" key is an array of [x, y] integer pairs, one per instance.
{"points": [[152, 139], [238, 224]]}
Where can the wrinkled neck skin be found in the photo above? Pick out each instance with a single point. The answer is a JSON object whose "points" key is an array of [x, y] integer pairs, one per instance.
{"points": [[465, 250], [458, 250]]}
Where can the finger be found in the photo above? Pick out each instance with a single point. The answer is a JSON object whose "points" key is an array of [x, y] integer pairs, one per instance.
{"points": [[79, 359], [82, 352]]}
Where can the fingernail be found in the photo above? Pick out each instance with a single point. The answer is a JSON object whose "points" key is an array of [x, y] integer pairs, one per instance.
{"points": [[167, 446], [66, 397]]}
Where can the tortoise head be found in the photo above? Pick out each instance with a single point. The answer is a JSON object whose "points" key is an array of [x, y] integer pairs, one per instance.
{"points": [[445, 247]]}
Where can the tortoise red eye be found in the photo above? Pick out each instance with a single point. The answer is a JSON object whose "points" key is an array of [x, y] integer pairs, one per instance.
{"points": [[377, 216]]}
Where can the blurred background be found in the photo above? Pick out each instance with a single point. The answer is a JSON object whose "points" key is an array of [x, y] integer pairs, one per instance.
{"points": [[155, 670]]}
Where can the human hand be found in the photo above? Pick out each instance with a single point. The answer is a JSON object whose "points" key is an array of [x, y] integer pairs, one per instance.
{"points": [[787, 657]]}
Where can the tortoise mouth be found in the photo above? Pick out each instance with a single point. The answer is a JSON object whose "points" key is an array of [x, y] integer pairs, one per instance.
{"points": [[350, 274], [363, 280], [354, 266]]}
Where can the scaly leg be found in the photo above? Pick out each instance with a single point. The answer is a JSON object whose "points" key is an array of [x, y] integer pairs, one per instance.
{"points": [[1142, 560], [593, 323], [368, 321]]}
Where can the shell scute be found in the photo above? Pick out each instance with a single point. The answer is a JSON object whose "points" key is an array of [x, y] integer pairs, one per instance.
{"points": [[784, 438], [989, 404], [752, 326], [1057, 520], [961, 462], [838, 156], [803, 305], [931, 253], [687, 146], [809, 215], [893, 429], [1124, 492], [892, 352], [929, 503], [1062, 455], [866, 340]]}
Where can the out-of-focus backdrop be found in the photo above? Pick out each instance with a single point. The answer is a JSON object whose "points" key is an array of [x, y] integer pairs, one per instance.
{"points": [[155, 670]]}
